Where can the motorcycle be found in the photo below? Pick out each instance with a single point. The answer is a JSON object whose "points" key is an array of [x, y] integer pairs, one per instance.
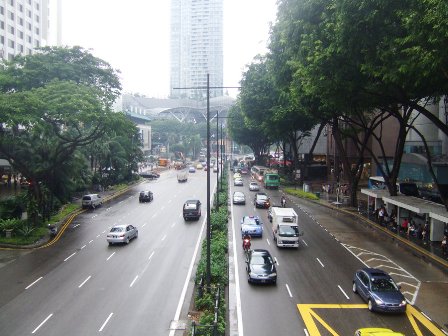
{"points": [[283, 202], [246, 244], [53, 230]]}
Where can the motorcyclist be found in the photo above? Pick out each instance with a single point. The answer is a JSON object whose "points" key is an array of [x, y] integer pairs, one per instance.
{"points": [[283, 201], [246, 242]]}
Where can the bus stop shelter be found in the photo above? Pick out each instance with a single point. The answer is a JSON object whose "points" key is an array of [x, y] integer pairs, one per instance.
{"points": [[422, 212]]}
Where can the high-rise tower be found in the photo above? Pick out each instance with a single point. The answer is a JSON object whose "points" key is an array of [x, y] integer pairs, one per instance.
{"points": [[196, 47], [23, 26]]}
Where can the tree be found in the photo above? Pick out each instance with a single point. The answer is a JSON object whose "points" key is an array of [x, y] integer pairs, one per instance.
{"points": [[45, 120]]}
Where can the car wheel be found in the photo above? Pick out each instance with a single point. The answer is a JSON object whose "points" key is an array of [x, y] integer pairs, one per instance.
{"points": [[136, 235], [355, 290], [110, 243], [370, 304]]}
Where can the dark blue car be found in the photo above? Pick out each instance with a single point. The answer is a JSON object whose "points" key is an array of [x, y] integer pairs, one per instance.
{"points": [[379, 290]]}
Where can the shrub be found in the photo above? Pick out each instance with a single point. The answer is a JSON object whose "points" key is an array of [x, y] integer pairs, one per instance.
{"points": [[301, 193], [10, 224]]}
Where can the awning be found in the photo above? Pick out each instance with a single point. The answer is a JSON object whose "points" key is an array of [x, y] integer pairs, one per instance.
{"points": [[376, 193], [4, 163]]}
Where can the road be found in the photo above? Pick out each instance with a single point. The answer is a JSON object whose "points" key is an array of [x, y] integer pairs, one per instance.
{"points": [[313, 295], [82, 286]]}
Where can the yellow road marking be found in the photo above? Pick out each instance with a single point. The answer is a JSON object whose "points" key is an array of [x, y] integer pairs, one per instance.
{"points": [[310, 317]]}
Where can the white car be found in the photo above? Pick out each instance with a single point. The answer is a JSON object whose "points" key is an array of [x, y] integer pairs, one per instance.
{"points": [[239, 198], [253, 186], [122, 234], [238, 182]]}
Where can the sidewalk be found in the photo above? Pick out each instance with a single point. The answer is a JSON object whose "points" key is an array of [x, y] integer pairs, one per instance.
{"points": [[425, 248]]}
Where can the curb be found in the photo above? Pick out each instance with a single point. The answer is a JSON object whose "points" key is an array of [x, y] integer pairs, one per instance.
{"points": [[423, 253]]}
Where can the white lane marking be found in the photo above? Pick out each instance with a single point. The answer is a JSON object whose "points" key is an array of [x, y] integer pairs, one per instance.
{"points": [[267, 241], [90, 241], [304, 242], [31, 284], [133, 281], [83, 246], [151, 255], [173, 225], [320, 262], [180, 215], [94, 216], [107, 209], [276, 261], [105, 322], [153, 215], [426, 316], [340, 288], [42, 323], [110, 256], [187, 279], [289, 291], [162, 208], [82, 284], [74, 226], [103, 231], [306, 332], [164, 237], [71, 255], [144, 224]]}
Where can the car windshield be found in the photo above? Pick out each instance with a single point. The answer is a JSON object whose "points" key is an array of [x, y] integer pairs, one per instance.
{"points": [[261, 260], [287, 230], [383, 285], [117, 229], [238, 194], [250, 221], [262, 197]]}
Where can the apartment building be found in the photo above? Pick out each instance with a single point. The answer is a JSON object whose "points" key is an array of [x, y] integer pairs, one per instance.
{"points": [[23, 26], [196, 47]]}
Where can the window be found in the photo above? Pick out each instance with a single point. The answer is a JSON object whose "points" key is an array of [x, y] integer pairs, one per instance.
{"points": [[28, 38], [11, 43], [2, 25], [37, 18], [28, 13], [21, 8], [28, 25], [2, 10], [11, 15], [37, 30], [36, 44], [21, 34], [11, 29], [20, 48], [11, 2], [20, 21]]}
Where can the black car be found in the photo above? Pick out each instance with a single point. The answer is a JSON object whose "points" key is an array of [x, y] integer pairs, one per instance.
{"points": [[192, 209], [379, 290], [145, 196], [150, 175], [260, 267], [261, 200]]}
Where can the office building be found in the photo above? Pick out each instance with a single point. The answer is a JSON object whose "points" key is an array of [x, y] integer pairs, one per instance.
{"points": [[196, 48], [23, 26]]}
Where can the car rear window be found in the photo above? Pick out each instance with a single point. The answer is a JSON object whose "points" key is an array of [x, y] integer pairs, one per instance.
{"points": [[86, 198], [190, 206]]}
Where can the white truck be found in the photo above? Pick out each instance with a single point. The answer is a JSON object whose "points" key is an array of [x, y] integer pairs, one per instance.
{"points": [[182, 176], [285, 227]]}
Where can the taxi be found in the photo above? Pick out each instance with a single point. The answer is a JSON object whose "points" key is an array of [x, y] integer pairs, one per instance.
{"points": [[376, 332], [236, 175]]}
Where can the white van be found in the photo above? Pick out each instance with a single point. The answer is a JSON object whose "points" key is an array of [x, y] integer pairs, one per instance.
{"points": [[91, 201]]}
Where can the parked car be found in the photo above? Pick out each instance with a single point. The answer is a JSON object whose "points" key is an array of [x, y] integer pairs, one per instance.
{"points": [[192, 169], [261, 200], [150, 175], [252, 226], [238, 182], [239, 198], [91, 201], [145, 196], [122, 234], [192, 209], [379, 290], [376, 332], [253, 186], [260, 267]]}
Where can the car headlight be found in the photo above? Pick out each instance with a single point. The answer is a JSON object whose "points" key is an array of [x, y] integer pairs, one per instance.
{"points": [[272, 275], [378, 301], [403, 303]]}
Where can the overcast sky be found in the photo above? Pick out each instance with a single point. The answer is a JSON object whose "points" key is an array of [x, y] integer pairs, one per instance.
{"points": [[133, 36]]}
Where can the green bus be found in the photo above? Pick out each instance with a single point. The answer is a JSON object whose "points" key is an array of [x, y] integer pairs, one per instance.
{"points": [[271, 180]]}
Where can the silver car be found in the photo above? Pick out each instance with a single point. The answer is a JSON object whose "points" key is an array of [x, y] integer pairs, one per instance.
{"points": [[253, 186], [238, 182], [122, 234]]}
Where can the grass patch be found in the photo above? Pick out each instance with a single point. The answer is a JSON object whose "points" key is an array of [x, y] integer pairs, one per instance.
{"points": [[301, 194]]}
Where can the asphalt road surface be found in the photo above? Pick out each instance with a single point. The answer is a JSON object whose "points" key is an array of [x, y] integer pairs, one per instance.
{"points": [[314, 296], [82, 286]]}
